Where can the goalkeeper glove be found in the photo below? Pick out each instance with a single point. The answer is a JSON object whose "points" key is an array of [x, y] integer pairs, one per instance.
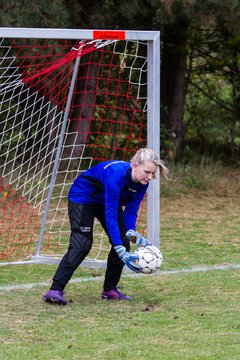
{"points": [[128, 258], [137, 238]]}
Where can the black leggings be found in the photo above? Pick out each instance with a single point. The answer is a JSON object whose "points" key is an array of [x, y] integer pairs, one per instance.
{"points": [[81, 221]]}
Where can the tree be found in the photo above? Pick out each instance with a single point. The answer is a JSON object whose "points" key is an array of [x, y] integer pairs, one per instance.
{"points": [[179, 21], [214, 74], [180, 39], [44, 13]]}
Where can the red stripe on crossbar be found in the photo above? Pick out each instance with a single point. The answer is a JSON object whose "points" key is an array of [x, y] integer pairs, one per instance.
{"points": [[109, 35]]}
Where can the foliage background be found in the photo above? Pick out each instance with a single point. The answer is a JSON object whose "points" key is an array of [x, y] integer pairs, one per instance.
{"points": [[200, 62]]}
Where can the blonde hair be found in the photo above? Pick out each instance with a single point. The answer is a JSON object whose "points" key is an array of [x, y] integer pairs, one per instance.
{"points": [[146, 154]]}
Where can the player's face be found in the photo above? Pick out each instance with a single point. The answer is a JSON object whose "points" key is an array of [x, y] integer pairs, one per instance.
{"points": [[144, 173]]}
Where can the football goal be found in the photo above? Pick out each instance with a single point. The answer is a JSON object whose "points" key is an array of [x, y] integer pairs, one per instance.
{"points": [[69, 99]]}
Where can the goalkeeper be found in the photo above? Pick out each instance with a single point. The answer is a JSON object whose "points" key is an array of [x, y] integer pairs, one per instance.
{"points": [[101, 192]]}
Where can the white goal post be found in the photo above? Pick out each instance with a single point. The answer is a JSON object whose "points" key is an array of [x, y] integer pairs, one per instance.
{"points": [[70, 98]]}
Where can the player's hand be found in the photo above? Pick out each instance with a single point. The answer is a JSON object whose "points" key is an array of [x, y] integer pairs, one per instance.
{"points": [[137, 238], [128, 258]]}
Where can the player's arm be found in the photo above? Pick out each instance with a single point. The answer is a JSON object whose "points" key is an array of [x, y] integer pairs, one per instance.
{"points": [[130, 217], [132, 208], [111, 214]]}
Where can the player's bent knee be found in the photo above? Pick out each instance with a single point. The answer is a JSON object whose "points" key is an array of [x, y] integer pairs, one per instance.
{"points": [[78, 250]]}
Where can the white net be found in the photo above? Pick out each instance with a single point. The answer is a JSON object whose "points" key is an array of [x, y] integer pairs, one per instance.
{"points": [[106, 119]]}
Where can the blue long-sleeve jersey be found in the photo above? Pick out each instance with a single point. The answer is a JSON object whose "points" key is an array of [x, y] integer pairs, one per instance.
{"points": [[110, 184]]}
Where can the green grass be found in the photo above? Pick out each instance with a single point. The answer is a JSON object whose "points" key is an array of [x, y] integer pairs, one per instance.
{"points": [[174, 316], [181, 316]]}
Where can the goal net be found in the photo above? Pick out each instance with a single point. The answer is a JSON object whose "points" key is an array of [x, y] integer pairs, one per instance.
{"points": [[70, 99]]}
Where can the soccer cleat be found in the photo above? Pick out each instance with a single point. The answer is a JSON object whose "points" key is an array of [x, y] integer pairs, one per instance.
{"points": [[55, 297], [115, 294]]}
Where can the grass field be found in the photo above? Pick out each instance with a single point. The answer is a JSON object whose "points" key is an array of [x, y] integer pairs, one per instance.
{"points": [[190, 310]]}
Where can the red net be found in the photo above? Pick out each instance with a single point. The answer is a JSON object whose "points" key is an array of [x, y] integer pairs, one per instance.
{"points": [[18, 226], [107, 119]]}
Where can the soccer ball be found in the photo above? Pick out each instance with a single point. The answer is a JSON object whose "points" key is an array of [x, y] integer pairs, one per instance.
{"points": [[150, 259]]}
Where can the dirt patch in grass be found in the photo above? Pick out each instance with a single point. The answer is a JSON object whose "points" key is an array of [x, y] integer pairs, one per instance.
{"points": [[209, 218], [217, 197]]}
